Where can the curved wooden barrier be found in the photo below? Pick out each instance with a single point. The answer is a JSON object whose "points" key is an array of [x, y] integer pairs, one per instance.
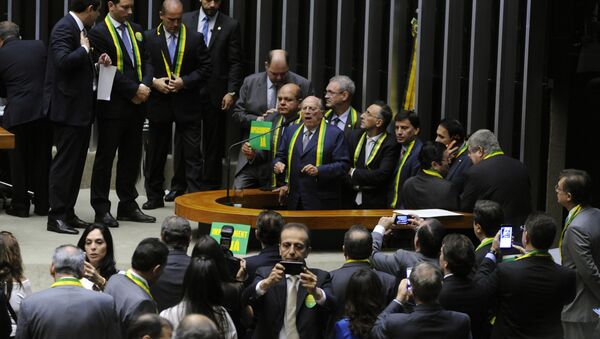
{"points": [[206, 207], [7, 139]]}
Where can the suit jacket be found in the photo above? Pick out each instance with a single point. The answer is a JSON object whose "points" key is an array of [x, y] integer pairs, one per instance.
{"points": [[125, 85], [456, 172], [581, 252], [372, 180], [466, 296], [501, 179], [268, 256], [225, 50], [22, 71], [130, 300], [252, 101], [530, 295], [323, 191], [195, 71], [411, 168], [68, 92], [427, 321], [350, 126], [68, 312], [341, 276], [426, 191], [397, 263], [168, 288], [270, 307]]}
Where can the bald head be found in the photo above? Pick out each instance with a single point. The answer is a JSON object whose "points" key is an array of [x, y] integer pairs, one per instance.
{"points": [[358, 243], [197, 326], [171, 14], [312, 111], [277, 67], [288, 100]]}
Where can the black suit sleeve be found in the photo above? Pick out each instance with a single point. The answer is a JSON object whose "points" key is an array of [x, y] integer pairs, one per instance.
{"points": [[379, 329], [67, 59], [377, 176], [198, 77]]}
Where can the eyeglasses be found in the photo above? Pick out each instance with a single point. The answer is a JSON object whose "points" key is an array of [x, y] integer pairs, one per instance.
{"points": [[333, 93]]}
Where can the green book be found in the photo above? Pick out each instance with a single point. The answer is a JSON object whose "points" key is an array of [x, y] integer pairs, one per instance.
{"points": [[257, 128]]}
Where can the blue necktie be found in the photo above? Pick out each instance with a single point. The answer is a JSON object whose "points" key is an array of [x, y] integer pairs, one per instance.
{"points": [[205, 30], [126, 41], [172, 46]]}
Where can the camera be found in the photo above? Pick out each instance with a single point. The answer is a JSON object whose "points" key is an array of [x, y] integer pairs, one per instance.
{"points": [[226, 236]]}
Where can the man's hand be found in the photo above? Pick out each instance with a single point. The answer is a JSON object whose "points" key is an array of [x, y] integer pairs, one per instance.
{"points": [[311, 170], [227, 102], [309, 281], [403, 294], [276, 275], [386, 222], [142, 94], [248, 151], [104, 59], [283, 192], [176, 84], [279, 167], [414, 222], [242, 274], [85, 42], [161, 85]]}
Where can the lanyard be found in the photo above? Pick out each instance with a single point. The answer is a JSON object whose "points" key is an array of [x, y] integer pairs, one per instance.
{"points": [[491, 155], [180, 51], [67, 281], [484, 242], [397, 181], [433, 173], [320, 144], [534, 253], [357, 260], [132, 38], [142, 284], [574, 212], [373, 151]]}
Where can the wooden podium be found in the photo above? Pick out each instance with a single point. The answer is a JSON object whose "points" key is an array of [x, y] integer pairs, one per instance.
{"points": [[7, 139], [206, 207]]}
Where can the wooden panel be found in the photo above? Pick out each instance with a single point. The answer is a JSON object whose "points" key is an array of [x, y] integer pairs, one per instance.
{"points": [[7, 139]]}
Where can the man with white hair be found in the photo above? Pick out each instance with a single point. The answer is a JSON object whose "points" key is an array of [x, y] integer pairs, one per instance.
{"points": [[338, 98]]}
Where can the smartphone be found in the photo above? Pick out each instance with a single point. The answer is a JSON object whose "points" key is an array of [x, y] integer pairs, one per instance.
{"points": [[293, 267], [505, 236], [596, 310], [401, 220], [408, 271]]}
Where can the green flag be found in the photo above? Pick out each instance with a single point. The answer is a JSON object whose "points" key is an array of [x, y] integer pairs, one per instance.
{"points": [[257, 128]]}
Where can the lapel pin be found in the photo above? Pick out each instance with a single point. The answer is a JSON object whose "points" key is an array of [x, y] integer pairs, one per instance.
{"points": [[219, 28]]}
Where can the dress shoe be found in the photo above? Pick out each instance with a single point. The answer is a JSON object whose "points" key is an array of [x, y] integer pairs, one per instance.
{"points": [[135, 215], [60, 226], [106, 219], [172, 195], [152, 204], [16, 212], [77, 223]]}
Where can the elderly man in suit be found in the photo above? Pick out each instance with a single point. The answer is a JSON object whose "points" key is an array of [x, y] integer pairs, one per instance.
{"points": [[22, 71], [451, 133], [314, 157], [428, 320], [291, 305], [579, 246], [338, 97], [181, 65], [67, 310], [68, 103], [131, 289]]}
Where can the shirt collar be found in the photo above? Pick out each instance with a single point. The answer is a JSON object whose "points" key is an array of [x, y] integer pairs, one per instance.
{"points": [[210, 18], [448, 275], [114, 22], [139, 277], [168, 35], [269, 83], [344, 117], [77, 20], [375, 138]]}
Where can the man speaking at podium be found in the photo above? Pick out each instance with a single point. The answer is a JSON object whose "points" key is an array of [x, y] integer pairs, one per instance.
{"points": [[314, 158]]}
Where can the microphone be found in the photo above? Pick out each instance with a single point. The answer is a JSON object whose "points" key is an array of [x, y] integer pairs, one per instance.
{"points": [[283, 124]]}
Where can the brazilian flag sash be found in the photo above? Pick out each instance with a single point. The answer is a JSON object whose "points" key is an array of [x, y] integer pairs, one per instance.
{"points": [[352, 115], [374, 151], [136, 50], [180, 51], [397, 179], [320, 144]]}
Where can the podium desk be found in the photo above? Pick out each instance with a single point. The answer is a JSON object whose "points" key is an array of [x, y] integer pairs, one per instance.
{"points": [[7, 139], [209, 206]]}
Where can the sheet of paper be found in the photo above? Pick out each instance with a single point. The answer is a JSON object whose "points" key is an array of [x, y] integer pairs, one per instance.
{"points": [[428, 213], [105, 81]]}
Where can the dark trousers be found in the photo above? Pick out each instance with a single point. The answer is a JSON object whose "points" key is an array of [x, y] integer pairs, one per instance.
{"points": [[30, 164], [126, 136], [66, 169]]}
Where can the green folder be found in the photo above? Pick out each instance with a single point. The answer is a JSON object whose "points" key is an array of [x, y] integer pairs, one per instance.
{"points": [[257, 128]]}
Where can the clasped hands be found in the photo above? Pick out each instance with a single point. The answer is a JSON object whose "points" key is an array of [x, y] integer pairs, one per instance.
{"points": [[165, 85]]}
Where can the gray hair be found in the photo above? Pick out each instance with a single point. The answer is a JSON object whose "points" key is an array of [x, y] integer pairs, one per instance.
{"points": [[345, 83], [176, 232], [196, 326], [485, 139], [426, 280], [319, 102], [68, 259], [8, 29]]}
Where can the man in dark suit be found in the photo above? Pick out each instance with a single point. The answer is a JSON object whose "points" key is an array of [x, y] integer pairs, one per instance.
{"points": [[180, 72], [314, 157], [222, 36], [67, 310], [459, 292], [357, 250], [487, 218], [68, 103], [428, 320], [495, 176], [176, 233], [579, 246], [268, 230], [407, 124], [254, 167], [532, 290], [120, 119], [131, 290], [22, 71], [374, 154], [429, 189], [451, 133], [338, 96], [291, 306]]}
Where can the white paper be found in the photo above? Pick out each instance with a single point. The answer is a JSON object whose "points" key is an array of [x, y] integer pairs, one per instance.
{"points": [[428, 213], [105, 81]]}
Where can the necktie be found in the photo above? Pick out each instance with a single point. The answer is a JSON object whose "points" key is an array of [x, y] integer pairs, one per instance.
{"points": [[291, 332], [205, 30], [306, 139], [273, 96], [127, 42], [172, 46], [369, 149], [335, 121]]}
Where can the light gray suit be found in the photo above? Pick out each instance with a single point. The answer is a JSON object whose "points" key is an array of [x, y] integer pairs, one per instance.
{"points": [[251, 104], [581, 252], [397, 263], [68, 312], [131, 301]]}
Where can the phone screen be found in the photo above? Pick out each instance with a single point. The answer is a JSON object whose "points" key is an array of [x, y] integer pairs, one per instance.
{"points": [[408, 271], [506, 236], [401, 220]]}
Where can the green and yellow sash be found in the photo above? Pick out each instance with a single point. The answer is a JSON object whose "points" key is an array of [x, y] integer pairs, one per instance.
{"points": [[576, 210], [484, 242], [397, 179], [136, 50], [534, 253], [142, 284], [491, 155], [320, 145], [374, 151], [67, 281], [276, 142], [180, 51], [352, 115], [462, 150], [433, 173]]}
